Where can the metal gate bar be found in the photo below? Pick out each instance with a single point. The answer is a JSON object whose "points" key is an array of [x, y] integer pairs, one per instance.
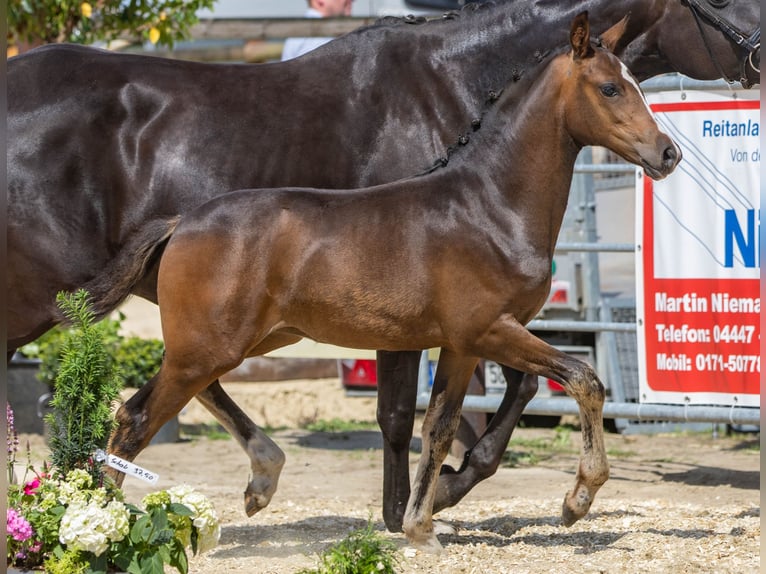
{"points": [[635, 411]]}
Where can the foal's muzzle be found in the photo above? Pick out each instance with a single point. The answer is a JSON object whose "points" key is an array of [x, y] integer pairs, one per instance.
{"points": [[668, 160]]}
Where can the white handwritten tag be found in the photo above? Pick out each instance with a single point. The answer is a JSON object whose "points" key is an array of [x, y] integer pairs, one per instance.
{"points": [[131, 469]]}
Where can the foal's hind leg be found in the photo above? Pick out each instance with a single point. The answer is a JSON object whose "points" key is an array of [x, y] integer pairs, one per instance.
{"points": [[453, 374], [266, 458], [483, 459], [163, 397], [509, 343]]}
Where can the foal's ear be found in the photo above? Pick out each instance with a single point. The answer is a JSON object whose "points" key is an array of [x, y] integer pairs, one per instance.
{"points": [[579, 37], [610, 38]]}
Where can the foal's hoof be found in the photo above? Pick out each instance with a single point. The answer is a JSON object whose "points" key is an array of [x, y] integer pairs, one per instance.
{"points": [[427, 541], [446, 528], [255, 501], [576, 505], [429, 545]]}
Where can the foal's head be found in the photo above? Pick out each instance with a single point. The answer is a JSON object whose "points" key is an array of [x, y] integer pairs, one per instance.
{"points": [[603, 104]]}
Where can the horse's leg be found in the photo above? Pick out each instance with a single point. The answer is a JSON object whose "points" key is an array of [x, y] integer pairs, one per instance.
{"points": [[163, 397], [482, 460], [508, 342], [266, 458], [397, 392], [453, 374]]}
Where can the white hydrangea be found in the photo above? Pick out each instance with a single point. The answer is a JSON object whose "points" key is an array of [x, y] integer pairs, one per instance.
{"points": [[74, 487], [79, 478], [78, 488], [47, 501], [92, 527], [204, 517]]}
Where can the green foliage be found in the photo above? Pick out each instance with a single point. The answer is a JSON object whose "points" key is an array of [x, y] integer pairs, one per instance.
{"points": [[363, 551], [339, 425], [86, 386], [138, 359], [529, 452], [66, 562], [152, 541], [210, 431], [46, 522], [47, 21]]}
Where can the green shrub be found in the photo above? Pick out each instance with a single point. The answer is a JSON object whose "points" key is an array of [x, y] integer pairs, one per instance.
{"points": [[363, 551], [45, 21], [138, 359], [86, 386]]}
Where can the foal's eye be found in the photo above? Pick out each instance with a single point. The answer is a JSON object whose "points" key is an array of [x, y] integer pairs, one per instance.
{"points": [[609, 90]]}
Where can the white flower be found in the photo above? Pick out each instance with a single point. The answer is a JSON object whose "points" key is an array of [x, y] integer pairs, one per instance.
{"points": [[91, 527], [204, 517], [79, 478], [75, 487]]}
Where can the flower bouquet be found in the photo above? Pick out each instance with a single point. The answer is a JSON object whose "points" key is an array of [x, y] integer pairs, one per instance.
{"points": [[72, 525], [69, 517]]}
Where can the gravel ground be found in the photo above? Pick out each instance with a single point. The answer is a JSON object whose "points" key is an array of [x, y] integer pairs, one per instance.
{"points": [[674, 503]]}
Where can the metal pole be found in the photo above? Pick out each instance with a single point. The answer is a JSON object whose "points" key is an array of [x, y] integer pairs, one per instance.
{"points": [[634, 411]]}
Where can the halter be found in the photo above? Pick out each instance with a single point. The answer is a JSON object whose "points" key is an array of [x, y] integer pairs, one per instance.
{"points": [[749, 44]]}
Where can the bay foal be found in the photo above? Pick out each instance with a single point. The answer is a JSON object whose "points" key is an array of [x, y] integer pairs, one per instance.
{"points": [[102, 144], [458, 259]]}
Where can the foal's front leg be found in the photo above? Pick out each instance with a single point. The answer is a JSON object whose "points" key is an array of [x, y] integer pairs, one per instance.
{"points": [[453, 373], [483, 459], [508, 342]]}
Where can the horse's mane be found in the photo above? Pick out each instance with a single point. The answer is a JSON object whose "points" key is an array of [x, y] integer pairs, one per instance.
{"points": [[468, 9], [515, 89]]}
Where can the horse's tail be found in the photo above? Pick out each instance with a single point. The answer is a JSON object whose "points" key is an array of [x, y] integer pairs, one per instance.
{"points": [[113, 285]]}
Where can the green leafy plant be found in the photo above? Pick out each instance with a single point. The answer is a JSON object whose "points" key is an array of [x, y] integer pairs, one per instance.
{"points": [[339, 425], [73, 524], [46, 21], [87, 384], [171, 521], [71, 518], [139, 359], [363, 551], [529, 452]]}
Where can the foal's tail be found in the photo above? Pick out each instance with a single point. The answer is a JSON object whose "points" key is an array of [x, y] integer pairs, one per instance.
{"points": [[121, 274]]}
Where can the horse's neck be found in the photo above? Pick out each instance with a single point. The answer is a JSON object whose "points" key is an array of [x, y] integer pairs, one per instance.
{"points": [[530, 152], [487, 50]]}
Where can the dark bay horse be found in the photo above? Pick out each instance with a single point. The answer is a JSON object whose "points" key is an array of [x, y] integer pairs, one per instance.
{"points": [[458, 259], [102, 145]]}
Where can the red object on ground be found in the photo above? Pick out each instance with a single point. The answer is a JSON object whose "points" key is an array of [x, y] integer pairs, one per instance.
{"points": [[356, 373]]}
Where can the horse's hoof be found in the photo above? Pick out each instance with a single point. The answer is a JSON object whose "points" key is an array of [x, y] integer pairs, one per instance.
{"points": [[429, 545], [575, 507], [255, 501], [443, 527]]}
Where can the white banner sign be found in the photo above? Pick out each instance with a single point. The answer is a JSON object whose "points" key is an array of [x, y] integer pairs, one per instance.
{"points": [[698, 270]]}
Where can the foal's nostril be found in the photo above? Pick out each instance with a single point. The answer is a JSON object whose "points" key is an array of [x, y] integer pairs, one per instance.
{"points": [[671, 156]]}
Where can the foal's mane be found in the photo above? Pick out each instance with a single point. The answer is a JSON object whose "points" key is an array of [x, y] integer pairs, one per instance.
{"points": [[516, 89]]}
